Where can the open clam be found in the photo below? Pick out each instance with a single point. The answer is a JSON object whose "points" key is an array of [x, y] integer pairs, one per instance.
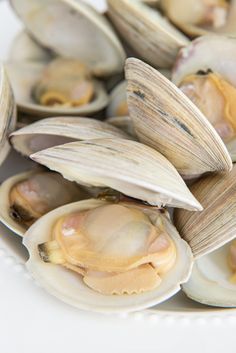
{"points": [[119, 248], [165, 119], [205, 73], [27, 196], [109, 247], [153, 38], [62, 87], [50, 132], [127, 166], [209, 234], [73, 29], [7, 112], [201, 17]]}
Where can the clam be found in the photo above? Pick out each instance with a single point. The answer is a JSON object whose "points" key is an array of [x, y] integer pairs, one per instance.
{"points": [[27, 196], [7, 112], [50, 132], [25, 48], [127, 166], [201, 17], [112, 253], [73, 29], [209, 234], [165, 119], [209, 81], [62, 87], [146, 31], [108, 257]]}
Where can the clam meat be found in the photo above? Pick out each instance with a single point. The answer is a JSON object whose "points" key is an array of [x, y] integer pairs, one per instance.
{"points": [[28, 196]]}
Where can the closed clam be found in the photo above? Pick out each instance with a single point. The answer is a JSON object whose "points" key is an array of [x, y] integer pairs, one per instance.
{"points": [[27, 196], [50, 132], [205, 74], [152, 37], [201, 17], [7, 112], [165, 119]]}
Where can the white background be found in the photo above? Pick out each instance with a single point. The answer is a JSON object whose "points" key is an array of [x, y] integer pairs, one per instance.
{"points": [[33, 322]]}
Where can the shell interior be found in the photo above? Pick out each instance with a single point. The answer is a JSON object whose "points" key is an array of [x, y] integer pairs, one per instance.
{"points": [[210, 280], [50, 132], [25, 48]]}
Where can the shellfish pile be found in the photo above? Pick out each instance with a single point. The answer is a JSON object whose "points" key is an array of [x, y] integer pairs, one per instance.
{"points": [[129, 120]]}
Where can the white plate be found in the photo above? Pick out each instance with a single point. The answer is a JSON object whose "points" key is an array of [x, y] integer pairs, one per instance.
{"points": [[31, 321]]}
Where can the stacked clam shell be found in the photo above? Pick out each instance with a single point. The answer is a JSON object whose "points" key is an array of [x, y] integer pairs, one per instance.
{"points": [[94, 211]]}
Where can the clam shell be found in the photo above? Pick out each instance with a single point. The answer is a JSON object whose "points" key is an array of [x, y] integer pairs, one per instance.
{"points": [[126, 166], [165, 119], [7, 112], [209, 282], [73, 29], [50, 132], [69, 287], [25, 48], [216, 224], [23, 76], [146, 31]]}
